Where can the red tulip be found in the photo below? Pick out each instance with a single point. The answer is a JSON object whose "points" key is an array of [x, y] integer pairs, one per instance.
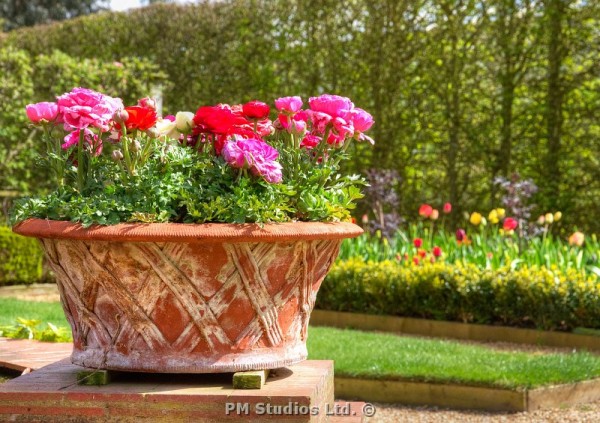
{"points": [[461, 235], [422, 253], [416, 260], [425, 210], [437, 251], [447, 208], [417, 242], [510, 224]]}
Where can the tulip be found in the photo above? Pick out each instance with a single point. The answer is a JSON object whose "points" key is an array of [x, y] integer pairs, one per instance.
{"points": [[577, 239], [365, 219], [493, 217], [418, 242], [476, 219], [510, 224], [541, 220], [416, 260], [557, 216], [425, 210], [501, 213], [461, 235], [549, 218], [422, 253], [447, 208], [434, 214], [437, 251]]}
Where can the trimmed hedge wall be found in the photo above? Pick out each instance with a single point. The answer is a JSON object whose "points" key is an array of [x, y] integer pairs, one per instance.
{"points": [[528, 297], [20, 258]]}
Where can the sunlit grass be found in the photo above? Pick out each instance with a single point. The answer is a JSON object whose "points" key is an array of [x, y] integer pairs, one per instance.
{"points": [[386, 356]]}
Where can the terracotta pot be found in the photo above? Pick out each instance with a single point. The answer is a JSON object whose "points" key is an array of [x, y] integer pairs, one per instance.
{"points": [[179, 298]]}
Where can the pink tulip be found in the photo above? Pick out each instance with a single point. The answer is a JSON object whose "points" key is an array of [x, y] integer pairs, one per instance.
{"points": [[447, 208], [42, 112]]}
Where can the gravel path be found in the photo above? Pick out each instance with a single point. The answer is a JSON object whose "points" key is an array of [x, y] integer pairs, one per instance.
{"points": [[386, 413]]}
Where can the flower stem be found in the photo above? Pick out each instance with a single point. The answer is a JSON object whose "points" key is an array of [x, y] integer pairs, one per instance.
{"points": [[80, 166]]}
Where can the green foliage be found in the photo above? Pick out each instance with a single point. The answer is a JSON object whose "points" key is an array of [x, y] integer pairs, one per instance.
{"points": [[29, 329], [527, 297], [178, 184], [385, 356], [20, 258], [15, 13]]}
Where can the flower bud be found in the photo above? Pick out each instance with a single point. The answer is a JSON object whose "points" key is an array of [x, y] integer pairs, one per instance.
{"points": [[135, 146], [117, 156], [120, 116], [147, 102], [153, 132], [557, 216]]}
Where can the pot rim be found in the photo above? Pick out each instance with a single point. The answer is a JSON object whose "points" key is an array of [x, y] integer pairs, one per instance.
{"points": [[188, 232]]}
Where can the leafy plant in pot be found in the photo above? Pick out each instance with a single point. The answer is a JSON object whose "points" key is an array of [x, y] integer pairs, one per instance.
{"points": [[197, 242]]}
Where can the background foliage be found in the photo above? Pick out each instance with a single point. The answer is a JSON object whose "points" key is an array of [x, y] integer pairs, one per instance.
{"points": [[462, 91], [20, 258]]}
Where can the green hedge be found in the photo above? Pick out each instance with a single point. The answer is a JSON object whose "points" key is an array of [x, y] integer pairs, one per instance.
{"points": [[528, 297], [20, 258]]}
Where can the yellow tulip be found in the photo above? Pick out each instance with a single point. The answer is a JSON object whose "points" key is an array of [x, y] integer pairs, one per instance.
{"points": [[493, 217], [501, 213], [475, 218], [557, 216], [549, 218]]}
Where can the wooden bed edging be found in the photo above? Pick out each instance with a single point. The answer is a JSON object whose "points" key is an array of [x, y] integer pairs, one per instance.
{"points": [[467, 397], [456, 330]]}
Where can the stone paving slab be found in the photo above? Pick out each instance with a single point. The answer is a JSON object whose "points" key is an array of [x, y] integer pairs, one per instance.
{"points": [[21, 354], [51, 394]]}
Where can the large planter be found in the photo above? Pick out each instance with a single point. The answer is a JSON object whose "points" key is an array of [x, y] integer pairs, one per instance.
{"points": [[178, 298]]}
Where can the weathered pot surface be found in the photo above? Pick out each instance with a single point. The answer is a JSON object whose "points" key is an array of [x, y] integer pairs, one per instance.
{"points": [[187, 298]]}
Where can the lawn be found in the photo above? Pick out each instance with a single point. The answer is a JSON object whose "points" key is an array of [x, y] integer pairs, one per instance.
{"points": [[376, 355]]}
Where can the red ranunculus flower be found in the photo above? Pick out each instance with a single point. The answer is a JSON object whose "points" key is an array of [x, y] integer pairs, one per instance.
{"points": [[425, 210], [140, 117], [222, 120], [256, 110], [510, 224]]}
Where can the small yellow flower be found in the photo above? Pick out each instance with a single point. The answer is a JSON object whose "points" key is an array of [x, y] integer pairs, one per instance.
{"points": [[549, 218], [475, 218], [557, 216], [493, 217]]}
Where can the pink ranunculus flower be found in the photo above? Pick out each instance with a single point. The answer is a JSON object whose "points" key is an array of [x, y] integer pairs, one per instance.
{"points": [[289, 105], [361, 120], [235, 156], [342, 127], [83, 107], [310, 141], [42, 112], [333, 105], [91, 140], [256, 155], [319, 121]]}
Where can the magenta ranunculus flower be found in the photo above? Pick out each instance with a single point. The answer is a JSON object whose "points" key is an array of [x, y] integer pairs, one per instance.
{"points": [[256, 155], [333, 105], [83, 107], [310, 141], [44, 111], [361, 120], [235, 156], [288, 104]]}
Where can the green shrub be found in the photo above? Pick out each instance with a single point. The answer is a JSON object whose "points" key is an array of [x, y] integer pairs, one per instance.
{"points": [[529, 297], [20, 258]]}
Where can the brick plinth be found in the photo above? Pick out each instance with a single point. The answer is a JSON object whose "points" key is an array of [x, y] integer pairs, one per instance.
{"points": [[51, 394]]}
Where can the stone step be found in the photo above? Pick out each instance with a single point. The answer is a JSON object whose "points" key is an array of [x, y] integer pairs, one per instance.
{"points": [[22, 354]]}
